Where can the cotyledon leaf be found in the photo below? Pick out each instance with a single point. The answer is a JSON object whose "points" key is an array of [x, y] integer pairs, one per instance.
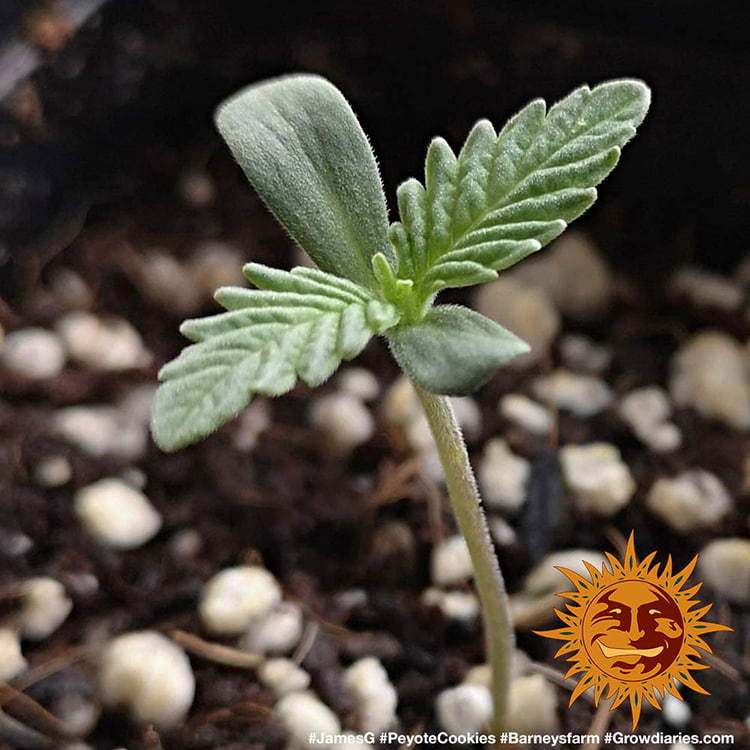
{"points": [[453, 350], [506, 195], [301, 146], [298, 324]]}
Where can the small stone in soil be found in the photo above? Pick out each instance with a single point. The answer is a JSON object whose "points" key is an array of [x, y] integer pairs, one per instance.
{"points": [[464, 708], [543, 578], [647, 411], [234, 597], [344, 421], [693, 500], [148, 674], [304, 714], [109, 344], [676, 712], [278, 631], [705, 289], [523, 309], [582, 354], [358, 382], [116, 515], [724, 565], [45, 605], [455, 605], [503, 476], [283, 676], [101, 430], [525, 413], [450, 562], [373, 694], [581, 395], [532, 706], [12, 662], [597, 476], [53, 471], [33, 353], [709, 374], [216, 263], [574, 275]]}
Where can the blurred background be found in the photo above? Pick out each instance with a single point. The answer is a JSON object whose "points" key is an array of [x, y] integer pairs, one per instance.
{"points": [[119, 102]]}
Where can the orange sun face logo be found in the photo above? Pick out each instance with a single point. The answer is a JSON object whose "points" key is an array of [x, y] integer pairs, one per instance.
{"points": [[633, 630]]}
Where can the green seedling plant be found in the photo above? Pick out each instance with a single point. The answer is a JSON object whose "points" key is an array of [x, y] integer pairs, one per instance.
{"points": [[502, 197]]}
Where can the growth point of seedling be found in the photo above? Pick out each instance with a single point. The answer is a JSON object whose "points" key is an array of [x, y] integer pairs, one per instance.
{"points": [[503, 196]]}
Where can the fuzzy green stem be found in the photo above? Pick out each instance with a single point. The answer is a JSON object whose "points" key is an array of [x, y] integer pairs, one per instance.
{"points": [[467, 506]]}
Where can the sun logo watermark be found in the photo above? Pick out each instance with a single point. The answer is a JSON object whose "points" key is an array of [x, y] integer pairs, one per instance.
{"points": [[633, 630]]}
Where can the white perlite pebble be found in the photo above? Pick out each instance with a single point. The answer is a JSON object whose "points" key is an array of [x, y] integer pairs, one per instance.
{"points": [[45, 606], [709, 374], [480, 674], [450, 563], [401, 408], [214, 264], [597, 476], [116, 515], [374, 696], [12, 662], [233, 598], [582, 395], [580, 353], [120, 431], [532, 706], [109, 343], [544, 578], [302, 715], [724, 565], [573, 274], [278, 631], [53, 471], [503, 476], [455, 605], [502, 532], [283, 676], [523, 309], [647, 411], [166, 282], [675, 712], [33, 353], [464, 708], [197, 188], [525, 413], [705, 289], [693, 500], [251, 424], [358, 382], [344, 420], [78, 713], [149, 675]]}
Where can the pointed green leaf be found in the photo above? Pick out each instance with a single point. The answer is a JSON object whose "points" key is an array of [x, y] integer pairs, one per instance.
{"points": [[453, 350], [298, 324], [302, 148], [505, 196]]}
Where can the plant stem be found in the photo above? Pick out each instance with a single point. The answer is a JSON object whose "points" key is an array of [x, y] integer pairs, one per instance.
{"points": [[467, 506]]}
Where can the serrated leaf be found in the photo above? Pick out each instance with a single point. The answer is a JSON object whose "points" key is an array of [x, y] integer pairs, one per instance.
{"points": [[298, 324], [453, 350], [506, 195], [301, 146]]}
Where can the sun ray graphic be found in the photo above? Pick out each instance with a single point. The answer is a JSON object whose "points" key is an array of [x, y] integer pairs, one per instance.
{"points": [[632, 630]]}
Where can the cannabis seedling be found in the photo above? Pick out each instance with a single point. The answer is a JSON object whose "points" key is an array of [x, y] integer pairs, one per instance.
{"points": [[502, 198]]}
